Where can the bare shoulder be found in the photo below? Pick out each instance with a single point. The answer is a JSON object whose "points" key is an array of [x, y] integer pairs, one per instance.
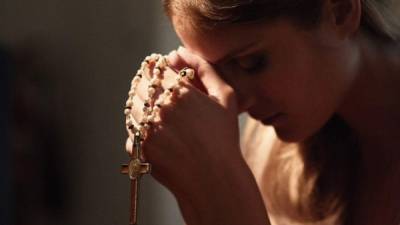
{"points": [[260, 148]]}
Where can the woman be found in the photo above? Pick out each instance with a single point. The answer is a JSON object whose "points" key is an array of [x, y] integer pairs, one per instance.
{"points": [[321, 80]]}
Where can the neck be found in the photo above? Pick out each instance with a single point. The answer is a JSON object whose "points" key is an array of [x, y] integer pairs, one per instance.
{"points": [[372, 106], [372, 109]]}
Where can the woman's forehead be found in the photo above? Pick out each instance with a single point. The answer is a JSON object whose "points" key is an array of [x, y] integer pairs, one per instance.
{"points": [[213, 45]]}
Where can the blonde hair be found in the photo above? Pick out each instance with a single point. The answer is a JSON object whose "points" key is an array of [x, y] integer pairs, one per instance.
{"points": [[315, 177]]}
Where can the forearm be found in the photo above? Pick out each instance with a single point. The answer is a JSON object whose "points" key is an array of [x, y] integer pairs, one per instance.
{"points": [[234, 200]]}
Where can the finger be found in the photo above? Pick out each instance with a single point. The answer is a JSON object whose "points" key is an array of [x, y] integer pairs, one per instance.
{"points": [[213, 83], [177, 63]]}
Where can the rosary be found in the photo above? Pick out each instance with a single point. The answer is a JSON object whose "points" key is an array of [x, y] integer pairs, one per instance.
{"points": [[155, 64]]}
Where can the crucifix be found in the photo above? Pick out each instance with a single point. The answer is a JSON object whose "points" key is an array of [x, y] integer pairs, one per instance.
{"points": [[155, 65], [135, 169]]}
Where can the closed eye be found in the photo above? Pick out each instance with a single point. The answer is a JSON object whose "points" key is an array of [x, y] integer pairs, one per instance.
{"points": [[251, 64]]}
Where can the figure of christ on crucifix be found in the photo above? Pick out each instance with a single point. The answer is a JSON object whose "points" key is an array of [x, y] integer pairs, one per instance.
{"points": [[135, 169]]}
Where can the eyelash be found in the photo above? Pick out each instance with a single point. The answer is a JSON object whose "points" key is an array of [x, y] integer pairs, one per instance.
{"points": [[257, 67]]}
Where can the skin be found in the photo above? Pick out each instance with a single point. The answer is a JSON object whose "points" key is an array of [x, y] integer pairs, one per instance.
{"points": [[306, 76]]}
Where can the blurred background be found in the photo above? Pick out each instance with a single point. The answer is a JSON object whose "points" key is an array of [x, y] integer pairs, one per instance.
{"points": [[65, 71]]}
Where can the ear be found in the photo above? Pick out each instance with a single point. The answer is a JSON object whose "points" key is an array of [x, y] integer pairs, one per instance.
{"points": [[342, 17]]}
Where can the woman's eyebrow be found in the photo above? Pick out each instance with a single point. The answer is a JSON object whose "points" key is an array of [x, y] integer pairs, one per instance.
{"points": [[234, 52]]}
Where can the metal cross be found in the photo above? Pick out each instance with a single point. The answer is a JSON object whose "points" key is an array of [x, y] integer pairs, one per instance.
{"points": [[135, 169]]}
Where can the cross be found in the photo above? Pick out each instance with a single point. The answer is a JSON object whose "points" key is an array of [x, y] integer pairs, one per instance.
{"points": [[135, 169]]}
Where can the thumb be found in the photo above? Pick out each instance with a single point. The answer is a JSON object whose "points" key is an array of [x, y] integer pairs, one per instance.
{"points": [[214, 85]]}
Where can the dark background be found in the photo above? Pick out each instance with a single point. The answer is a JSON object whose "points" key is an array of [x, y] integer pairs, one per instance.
{"points": [[65, 71]]}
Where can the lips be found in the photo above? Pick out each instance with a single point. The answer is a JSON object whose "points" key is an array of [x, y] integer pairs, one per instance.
{"points": [[265, 119], [272, 119]]}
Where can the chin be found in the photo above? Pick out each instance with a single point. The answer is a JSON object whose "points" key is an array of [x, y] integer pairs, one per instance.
{"points": [[292, 133], [288, 136]]}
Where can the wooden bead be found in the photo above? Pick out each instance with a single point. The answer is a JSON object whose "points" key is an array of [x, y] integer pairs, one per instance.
{"points": [[155, 81], [151, 118], [162, 62], [156, 71], [167, 93], [190, 73], [129, 103], [151, 91], [136, 79], [156, 109], [128, 123]]}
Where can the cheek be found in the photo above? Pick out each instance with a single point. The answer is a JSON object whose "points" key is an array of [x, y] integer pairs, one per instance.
{"points": [[309, 90]]}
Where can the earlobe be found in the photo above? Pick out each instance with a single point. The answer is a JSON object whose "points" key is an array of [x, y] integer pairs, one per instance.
{"points": [[345, 16]]}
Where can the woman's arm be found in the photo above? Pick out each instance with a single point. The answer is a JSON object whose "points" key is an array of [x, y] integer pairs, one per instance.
{"points": [[234, 200]]}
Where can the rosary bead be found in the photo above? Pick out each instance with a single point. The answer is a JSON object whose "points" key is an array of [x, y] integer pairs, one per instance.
{"points": [[151, 91], [140, 128], [144, 120], [151, 118], [162, 62], [156, 71], [154, 56], [146, 126], [167, 93], [155, 81], [159, 101], [135, 82], [134, 86], [129, 103], [136, 79], [156, 109], [190, 73], [146, 109], [153, 86]]}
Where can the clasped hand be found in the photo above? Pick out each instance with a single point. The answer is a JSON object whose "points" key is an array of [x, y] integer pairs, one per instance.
{"points": [[196, 138]]}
